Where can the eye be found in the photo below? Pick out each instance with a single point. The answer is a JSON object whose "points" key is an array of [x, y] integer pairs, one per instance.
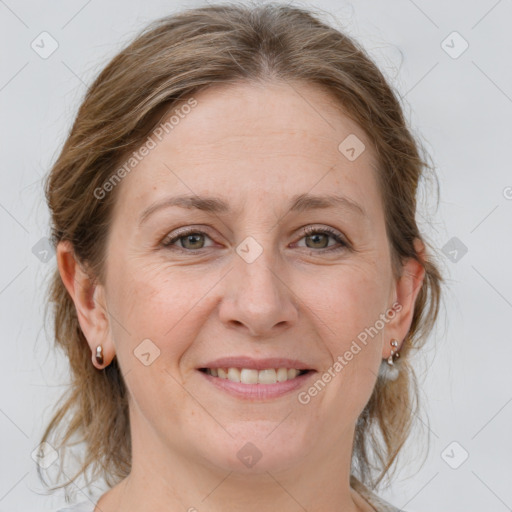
{"points": [[191, 239], [320, 236]]}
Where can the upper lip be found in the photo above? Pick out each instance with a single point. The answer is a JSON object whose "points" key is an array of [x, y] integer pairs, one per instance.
{"points": [[257, 364]]}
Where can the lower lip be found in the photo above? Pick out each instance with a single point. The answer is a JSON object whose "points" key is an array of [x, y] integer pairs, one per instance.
{"points": [[258, 391]]}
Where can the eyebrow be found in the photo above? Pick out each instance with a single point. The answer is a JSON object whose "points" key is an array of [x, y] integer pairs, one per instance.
{"points": [[216, 205]]}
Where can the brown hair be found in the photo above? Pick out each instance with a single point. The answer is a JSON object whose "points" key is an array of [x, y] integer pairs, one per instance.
{"points": [[170, 60]]}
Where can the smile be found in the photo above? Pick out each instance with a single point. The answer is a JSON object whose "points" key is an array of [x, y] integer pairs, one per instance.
{"points": [[252, 376], [256, 385]]}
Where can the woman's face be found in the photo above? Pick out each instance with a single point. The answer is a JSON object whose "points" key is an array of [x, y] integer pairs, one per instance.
{"points": [[247, 282]]}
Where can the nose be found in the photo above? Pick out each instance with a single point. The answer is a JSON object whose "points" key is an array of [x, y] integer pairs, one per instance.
{"points": [[258, 296]]}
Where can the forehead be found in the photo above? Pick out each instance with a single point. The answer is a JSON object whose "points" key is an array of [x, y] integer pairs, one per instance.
{"points": [[254, 140]]}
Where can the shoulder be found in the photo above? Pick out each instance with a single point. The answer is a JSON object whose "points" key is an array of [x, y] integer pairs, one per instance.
{"points": [[83, 506]]}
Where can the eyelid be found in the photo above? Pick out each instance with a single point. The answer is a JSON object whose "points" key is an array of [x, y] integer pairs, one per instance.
{"points": [[332, 232], [175, 235], [309, 230]]}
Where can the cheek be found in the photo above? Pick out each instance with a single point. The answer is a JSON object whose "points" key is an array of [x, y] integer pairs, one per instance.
{"points": [[148, 304], [168, 306], [346, 301], [347, 310]]}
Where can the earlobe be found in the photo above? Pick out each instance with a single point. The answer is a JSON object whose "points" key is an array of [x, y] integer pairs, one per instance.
{"points": [[89, 303]]}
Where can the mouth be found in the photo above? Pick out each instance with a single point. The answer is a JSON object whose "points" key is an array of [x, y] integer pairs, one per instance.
{"points": [[256, 385], [265, 376]]}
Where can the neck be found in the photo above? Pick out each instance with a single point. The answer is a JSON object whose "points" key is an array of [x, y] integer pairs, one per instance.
{"points": [[169, 480]]}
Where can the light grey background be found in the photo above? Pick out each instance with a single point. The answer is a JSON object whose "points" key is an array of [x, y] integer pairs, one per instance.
{"points": [[460, 107]]}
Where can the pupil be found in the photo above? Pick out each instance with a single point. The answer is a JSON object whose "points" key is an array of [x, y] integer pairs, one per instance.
{"points": [[191, 237], [316, 237]]}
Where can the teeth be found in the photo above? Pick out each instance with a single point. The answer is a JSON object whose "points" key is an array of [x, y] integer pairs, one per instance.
{"points": [[251, 376], [234, 374], [267, 376], [282, 374], [292, 373], [248, 376]]}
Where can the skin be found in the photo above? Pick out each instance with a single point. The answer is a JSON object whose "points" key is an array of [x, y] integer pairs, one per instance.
{"points": [[255, 146]]}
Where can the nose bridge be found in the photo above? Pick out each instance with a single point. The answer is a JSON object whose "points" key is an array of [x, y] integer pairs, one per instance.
{"points": [[256, 266], [256, 295]]}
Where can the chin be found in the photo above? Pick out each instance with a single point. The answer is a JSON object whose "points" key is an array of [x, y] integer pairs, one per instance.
{"points": [[258, 453]]}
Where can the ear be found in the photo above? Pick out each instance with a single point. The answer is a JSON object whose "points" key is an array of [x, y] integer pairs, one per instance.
{"points": [[89, 300], [406, 290]]}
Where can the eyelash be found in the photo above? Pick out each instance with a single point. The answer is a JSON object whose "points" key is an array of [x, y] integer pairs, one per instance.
{"points": [[308, 231]]}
